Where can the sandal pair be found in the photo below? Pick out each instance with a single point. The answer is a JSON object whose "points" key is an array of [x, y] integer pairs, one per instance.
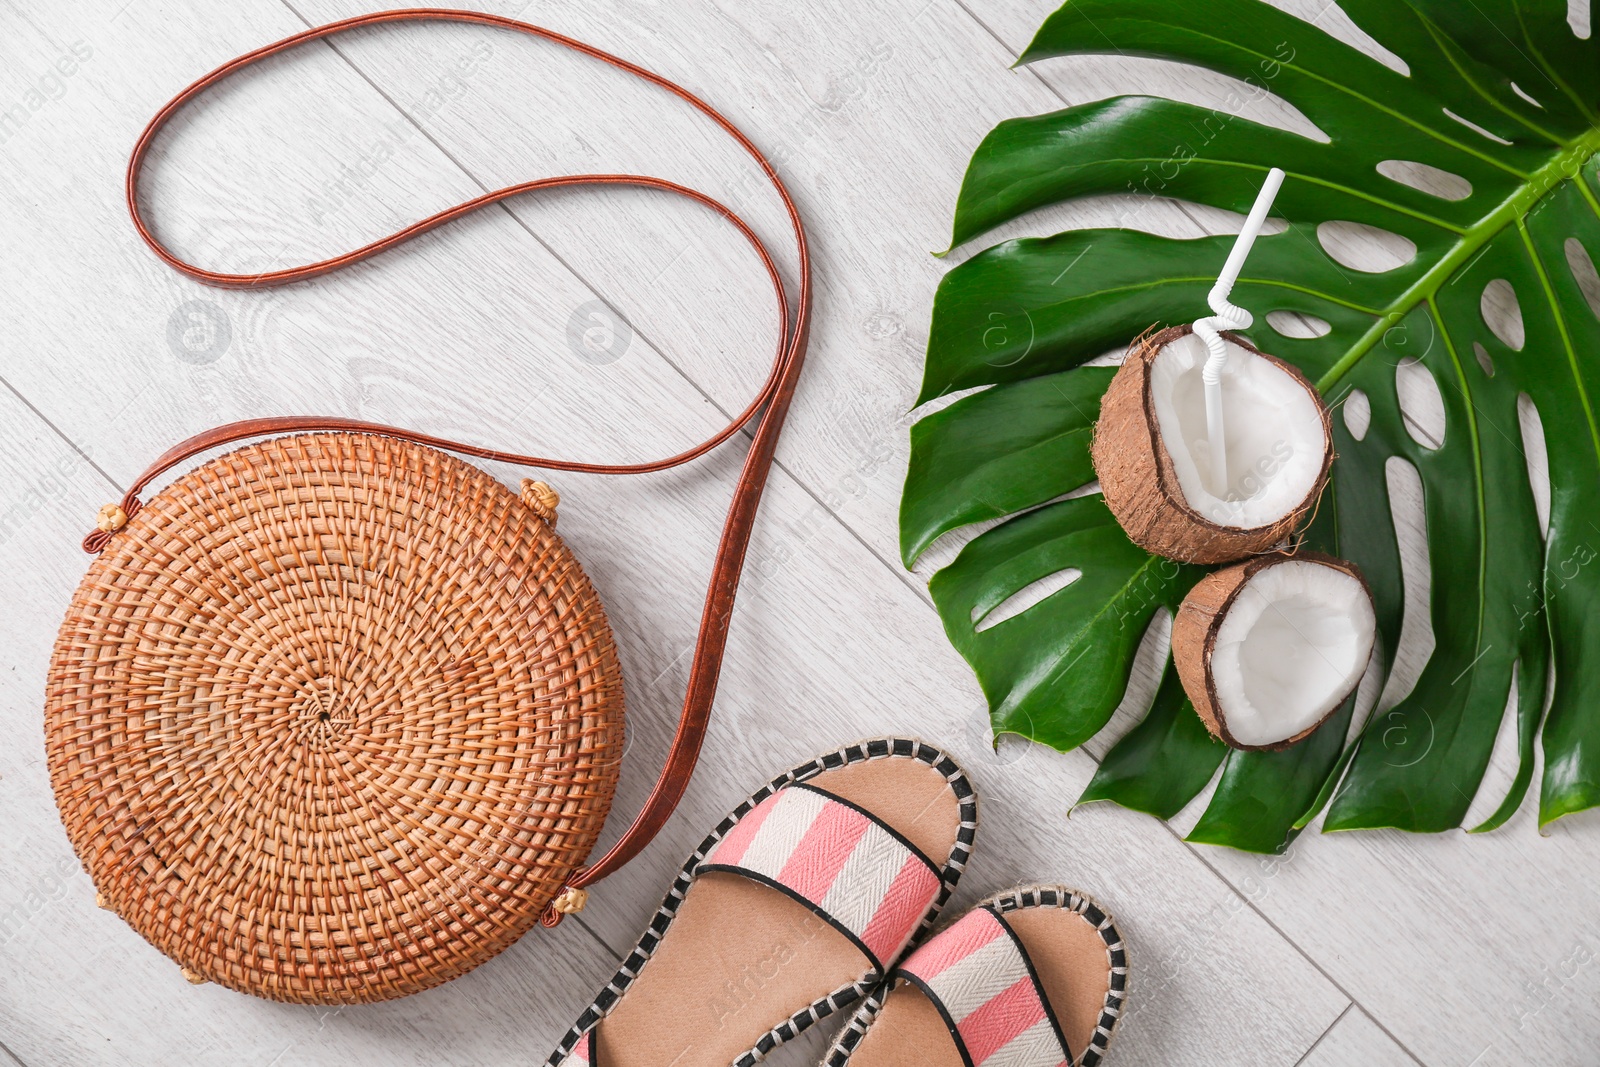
{"points": [[819, 892]]}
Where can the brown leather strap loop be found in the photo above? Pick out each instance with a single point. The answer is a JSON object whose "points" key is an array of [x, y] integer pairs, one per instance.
{"points": [[775, 394]]}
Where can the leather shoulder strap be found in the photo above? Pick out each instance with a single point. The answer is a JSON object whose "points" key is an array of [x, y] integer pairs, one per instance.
{"points": [[772, 400]]}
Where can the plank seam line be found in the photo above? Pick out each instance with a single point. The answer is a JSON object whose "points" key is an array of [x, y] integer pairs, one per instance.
{"points": [[18, 1060], [1320, 1037], [42, 417], [1198, 854]]}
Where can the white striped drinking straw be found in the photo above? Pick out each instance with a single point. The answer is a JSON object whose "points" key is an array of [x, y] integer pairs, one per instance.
{"points": [[1227, 316]]}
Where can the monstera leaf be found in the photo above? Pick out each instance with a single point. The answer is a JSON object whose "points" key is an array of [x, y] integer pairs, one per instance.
{"points": [[1483, 157]]}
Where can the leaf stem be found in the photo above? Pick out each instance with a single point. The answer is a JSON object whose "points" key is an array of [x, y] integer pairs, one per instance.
{"points": [[1563, 166]]}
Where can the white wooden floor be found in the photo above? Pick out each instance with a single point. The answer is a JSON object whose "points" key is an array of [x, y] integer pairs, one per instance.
{"points": [[1352, 949]]}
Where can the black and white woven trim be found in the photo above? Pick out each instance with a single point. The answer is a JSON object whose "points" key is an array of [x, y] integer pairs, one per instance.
{"points": [[844, 1045], [949, 876], [1049, 896], [1052, 896]]}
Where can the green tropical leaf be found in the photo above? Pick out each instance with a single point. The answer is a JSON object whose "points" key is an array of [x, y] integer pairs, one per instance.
{"points": [[999, 452], [1171, 736], [1056, 672], [1500, 94]]}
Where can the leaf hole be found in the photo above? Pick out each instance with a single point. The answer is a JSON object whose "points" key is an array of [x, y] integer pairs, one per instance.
{"points": [[1298, 324], [1578, 13], [1483, 358], [1218, 220], [1537, 457], [1023, 599], [1524, 94], [1583, 272], [1357, 410], [1333, 21], [1475, 128], [1186, 820], [939, 403], [1365, 248], [1502, 313], [1114, 358], [1416, 626], [1504, 761], [1421, 404], [1425, 179], [948, 545], [1367, 694]]}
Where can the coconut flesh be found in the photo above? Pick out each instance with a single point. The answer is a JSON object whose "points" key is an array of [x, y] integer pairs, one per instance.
{"points": [[1153, 456], [1281, 643], [1272, 428]]}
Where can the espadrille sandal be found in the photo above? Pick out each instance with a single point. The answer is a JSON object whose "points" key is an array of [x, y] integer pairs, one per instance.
{"points": [[795, 906], [1029, 978]]}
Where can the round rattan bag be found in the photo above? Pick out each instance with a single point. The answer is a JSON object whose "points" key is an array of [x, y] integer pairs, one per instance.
{"points": [[336, 717], [333, 717]]}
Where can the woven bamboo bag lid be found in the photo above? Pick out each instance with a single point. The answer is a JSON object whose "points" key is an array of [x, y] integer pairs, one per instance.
{"points": [[336, 716]]}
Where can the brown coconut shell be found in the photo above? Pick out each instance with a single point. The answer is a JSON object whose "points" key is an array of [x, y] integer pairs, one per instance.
{"points": [[1141, 485], [1194, 637]]}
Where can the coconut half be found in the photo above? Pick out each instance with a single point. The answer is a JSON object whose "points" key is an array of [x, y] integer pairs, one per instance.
{"points": [[1152, 454], [1269, 648]]}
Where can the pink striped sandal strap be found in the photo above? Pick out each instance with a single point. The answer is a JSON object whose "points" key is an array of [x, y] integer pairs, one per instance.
{"points": [[979, 976], [846, 864]]}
